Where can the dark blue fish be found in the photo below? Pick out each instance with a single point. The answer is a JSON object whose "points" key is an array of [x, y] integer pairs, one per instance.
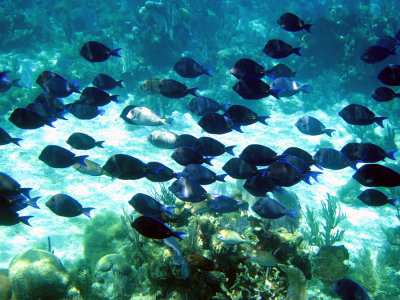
{"points": [[96, 97], [280, 70], [239, 168], [173, 89], [271, 209], [59, 157], [9, 186], [201, 174], [9, 217], [311, 126], [332, 159], [258, 155], [390, 75], [374, 175], [252, 88], [384, 94], [148, 206], [60, 88], [157, 172], [375, 54], [300, 153], [105, 82], [366, 152], [83, 111], [5, 83], [185, 140], [301, 166], [293, 23], [82, 141], [247, 67], [208, 146], [225, 204], [19, 202], [50, 101], [5, 138], [188, 190], [66, 206], [154, 229], [189, 68], [202, 105], [244, 116], [260, 184], [279, 49], [97, 52], [186, 156], [45, 111], [373, 197], [125, 167], [356, 114], [56, 85], [388, 42], [26, 119], [285, 174], [217, 124], [347, 289]]}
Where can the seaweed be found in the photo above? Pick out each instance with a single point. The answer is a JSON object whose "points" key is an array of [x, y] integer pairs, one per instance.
{"points": [[163, 195], [332, 216]]}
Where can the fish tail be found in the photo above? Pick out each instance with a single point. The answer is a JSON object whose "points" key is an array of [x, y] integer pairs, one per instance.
{"points": [[307, 27], [221, 177], [244, 206], [86, 211], [397, 95], [306, 178], [379, 121], [115, 52], [292, 213], [75, 87], [25, 220], [15, 141], [99, 144], [33, 202], [207, 71], [353, 165], [207, 160], [178, 234], [15, 83], [393, 202], [329, 131], [262, 119], [297, 50], [167, 121], [49, 122], [391, 154], [168, 209], [114, 98], [306, 88], [119, 83], [237, 128], [229, 150], [81, 159], [314, 175], [25, 192], [101, 112], [192, 91]]}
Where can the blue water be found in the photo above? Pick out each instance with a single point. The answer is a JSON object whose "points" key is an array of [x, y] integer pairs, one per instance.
{"points": [[153, 36]]}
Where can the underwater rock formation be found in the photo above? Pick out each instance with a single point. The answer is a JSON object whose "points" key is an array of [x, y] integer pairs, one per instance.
{"points": [[329, 263], [112, 276], [5, 290], [37, 274]]}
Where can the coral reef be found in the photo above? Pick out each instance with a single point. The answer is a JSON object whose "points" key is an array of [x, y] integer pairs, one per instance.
{"points": [[38, 274], [5, 289], [329, 263]]}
